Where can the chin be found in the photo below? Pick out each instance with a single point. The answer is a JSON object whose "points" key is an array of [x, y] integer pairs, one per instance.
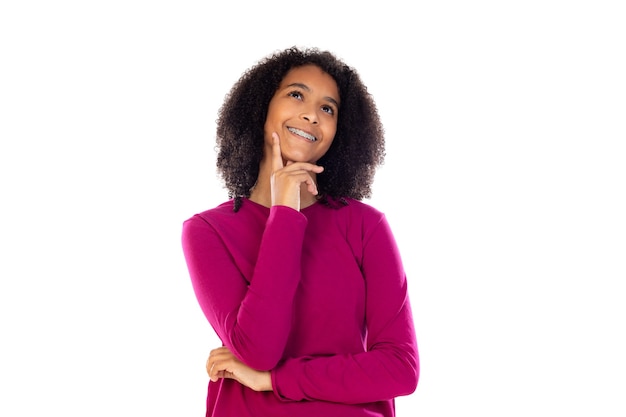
{"points": [[297, 157]]}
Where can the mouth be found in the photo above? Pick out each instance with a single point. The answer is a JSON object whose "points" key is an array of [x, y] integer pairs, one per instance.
{"points": [[302, 134]]}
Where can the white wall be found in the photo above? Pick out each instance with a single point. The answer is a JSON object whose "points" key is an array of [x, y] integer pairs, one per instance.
{"points": [[504, 182]]}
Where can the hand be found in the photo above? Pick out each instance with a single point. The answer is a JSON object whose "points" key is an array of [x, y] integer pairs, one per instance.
{"points": [[287, 178], [223, 364]]}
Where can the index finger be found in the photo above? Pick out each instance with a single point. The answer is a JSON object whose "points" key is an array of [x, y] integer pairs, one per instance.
{"points": [[277, 157]]}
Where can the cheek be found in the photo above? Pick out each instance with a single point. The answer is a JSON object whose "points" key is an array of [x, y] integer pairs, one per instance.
{"points": [[330, 133], [329, 143], [271, 122], [273, 113]]}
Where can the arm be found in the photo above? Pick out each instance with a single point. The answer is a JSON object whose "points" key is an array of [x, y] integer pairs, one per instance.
{"points": [[390, 366], [253, 319]]}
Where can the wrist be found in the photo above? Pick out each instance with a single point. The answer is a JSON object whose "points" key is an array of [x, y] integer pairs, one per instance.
{"points": [[265, 381]]}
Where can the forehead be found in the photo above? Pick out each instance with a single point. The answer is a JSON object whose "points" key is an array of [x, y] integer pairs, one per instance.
{"points": [[314, 78]]}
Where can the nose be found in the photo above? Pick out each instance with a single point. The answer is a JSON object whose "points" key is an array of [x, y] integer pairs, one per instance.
{"points": [[310, 116]]}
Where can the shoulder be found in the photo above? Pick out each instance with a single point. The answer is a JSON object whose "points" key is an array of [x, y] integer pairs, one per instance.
{"points": [[224, 221], [213, 215], [224, 210], [223, 217], [357, 209], [354, 216]]}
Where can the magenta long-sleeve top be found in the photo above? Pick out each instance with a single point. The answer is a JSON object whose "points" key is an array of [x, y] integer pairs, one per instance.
{"points": [[318, 297]]}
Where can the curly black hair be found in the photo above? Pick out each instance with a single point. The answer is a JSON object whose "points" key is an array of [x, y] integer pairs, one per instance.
{"points": [[357, 149]]}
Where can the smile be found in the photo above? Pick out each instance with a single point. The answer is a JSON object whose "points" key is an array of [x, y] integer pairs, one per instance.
{"points": [[302, 134]]}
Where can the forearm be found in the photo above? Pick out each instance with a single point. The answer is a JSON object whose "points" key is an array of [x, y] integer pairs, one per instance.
{"points": [[388, 370]]}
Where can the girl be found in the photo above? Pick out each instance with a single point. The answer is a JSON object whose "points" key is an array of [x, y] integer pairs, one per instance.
{"points": [[301, 280]]}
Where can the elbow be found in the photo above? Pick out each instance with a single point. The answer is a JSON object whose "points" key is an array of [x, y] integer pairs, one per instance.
{"points": [[263, 362], [412, 381], [258, 356], [413, 375], [410, 373], [407, 384]]}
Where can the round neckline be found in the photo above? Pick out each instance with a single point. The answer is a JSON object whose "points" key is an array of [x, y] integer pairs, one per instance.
{"points": [[246, 199]]}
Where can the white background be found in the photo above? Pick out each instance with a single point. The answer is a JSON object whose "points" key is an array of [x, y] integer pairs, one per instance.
{"points": [[504, 183]]}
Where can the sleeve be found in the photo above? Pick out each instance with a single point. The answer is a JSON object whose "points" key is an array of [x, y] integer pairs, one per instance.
{"points": [[252, 319], [390, 365]]}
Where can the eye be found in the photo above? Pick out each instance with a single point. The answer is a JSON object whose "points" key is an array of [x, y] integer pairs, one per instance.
{"points": [[295, 94], [328, 109]]}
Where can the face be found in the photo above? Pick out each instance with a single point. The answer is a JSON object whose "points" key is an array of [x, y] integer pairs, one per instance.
{"points": [[303, 112]]}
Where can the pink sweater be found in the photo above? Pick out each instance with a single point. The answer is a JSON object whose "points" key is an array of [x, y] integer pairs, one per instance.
{"points": [[319, 297]]}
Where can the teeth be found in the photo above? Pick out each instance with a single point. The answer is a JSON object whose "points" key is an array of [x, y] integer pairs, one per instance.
{"points": [[303, 134]]}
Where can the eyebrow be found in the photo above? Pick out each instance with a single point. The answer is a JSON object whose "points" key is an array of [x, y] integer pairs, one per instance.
{"points": [[305, 87]]}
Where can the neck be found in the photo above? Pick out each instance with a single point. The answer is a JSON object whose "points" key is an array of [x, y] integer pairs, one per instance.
{"points": [[261, 193], [263, 196]]}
